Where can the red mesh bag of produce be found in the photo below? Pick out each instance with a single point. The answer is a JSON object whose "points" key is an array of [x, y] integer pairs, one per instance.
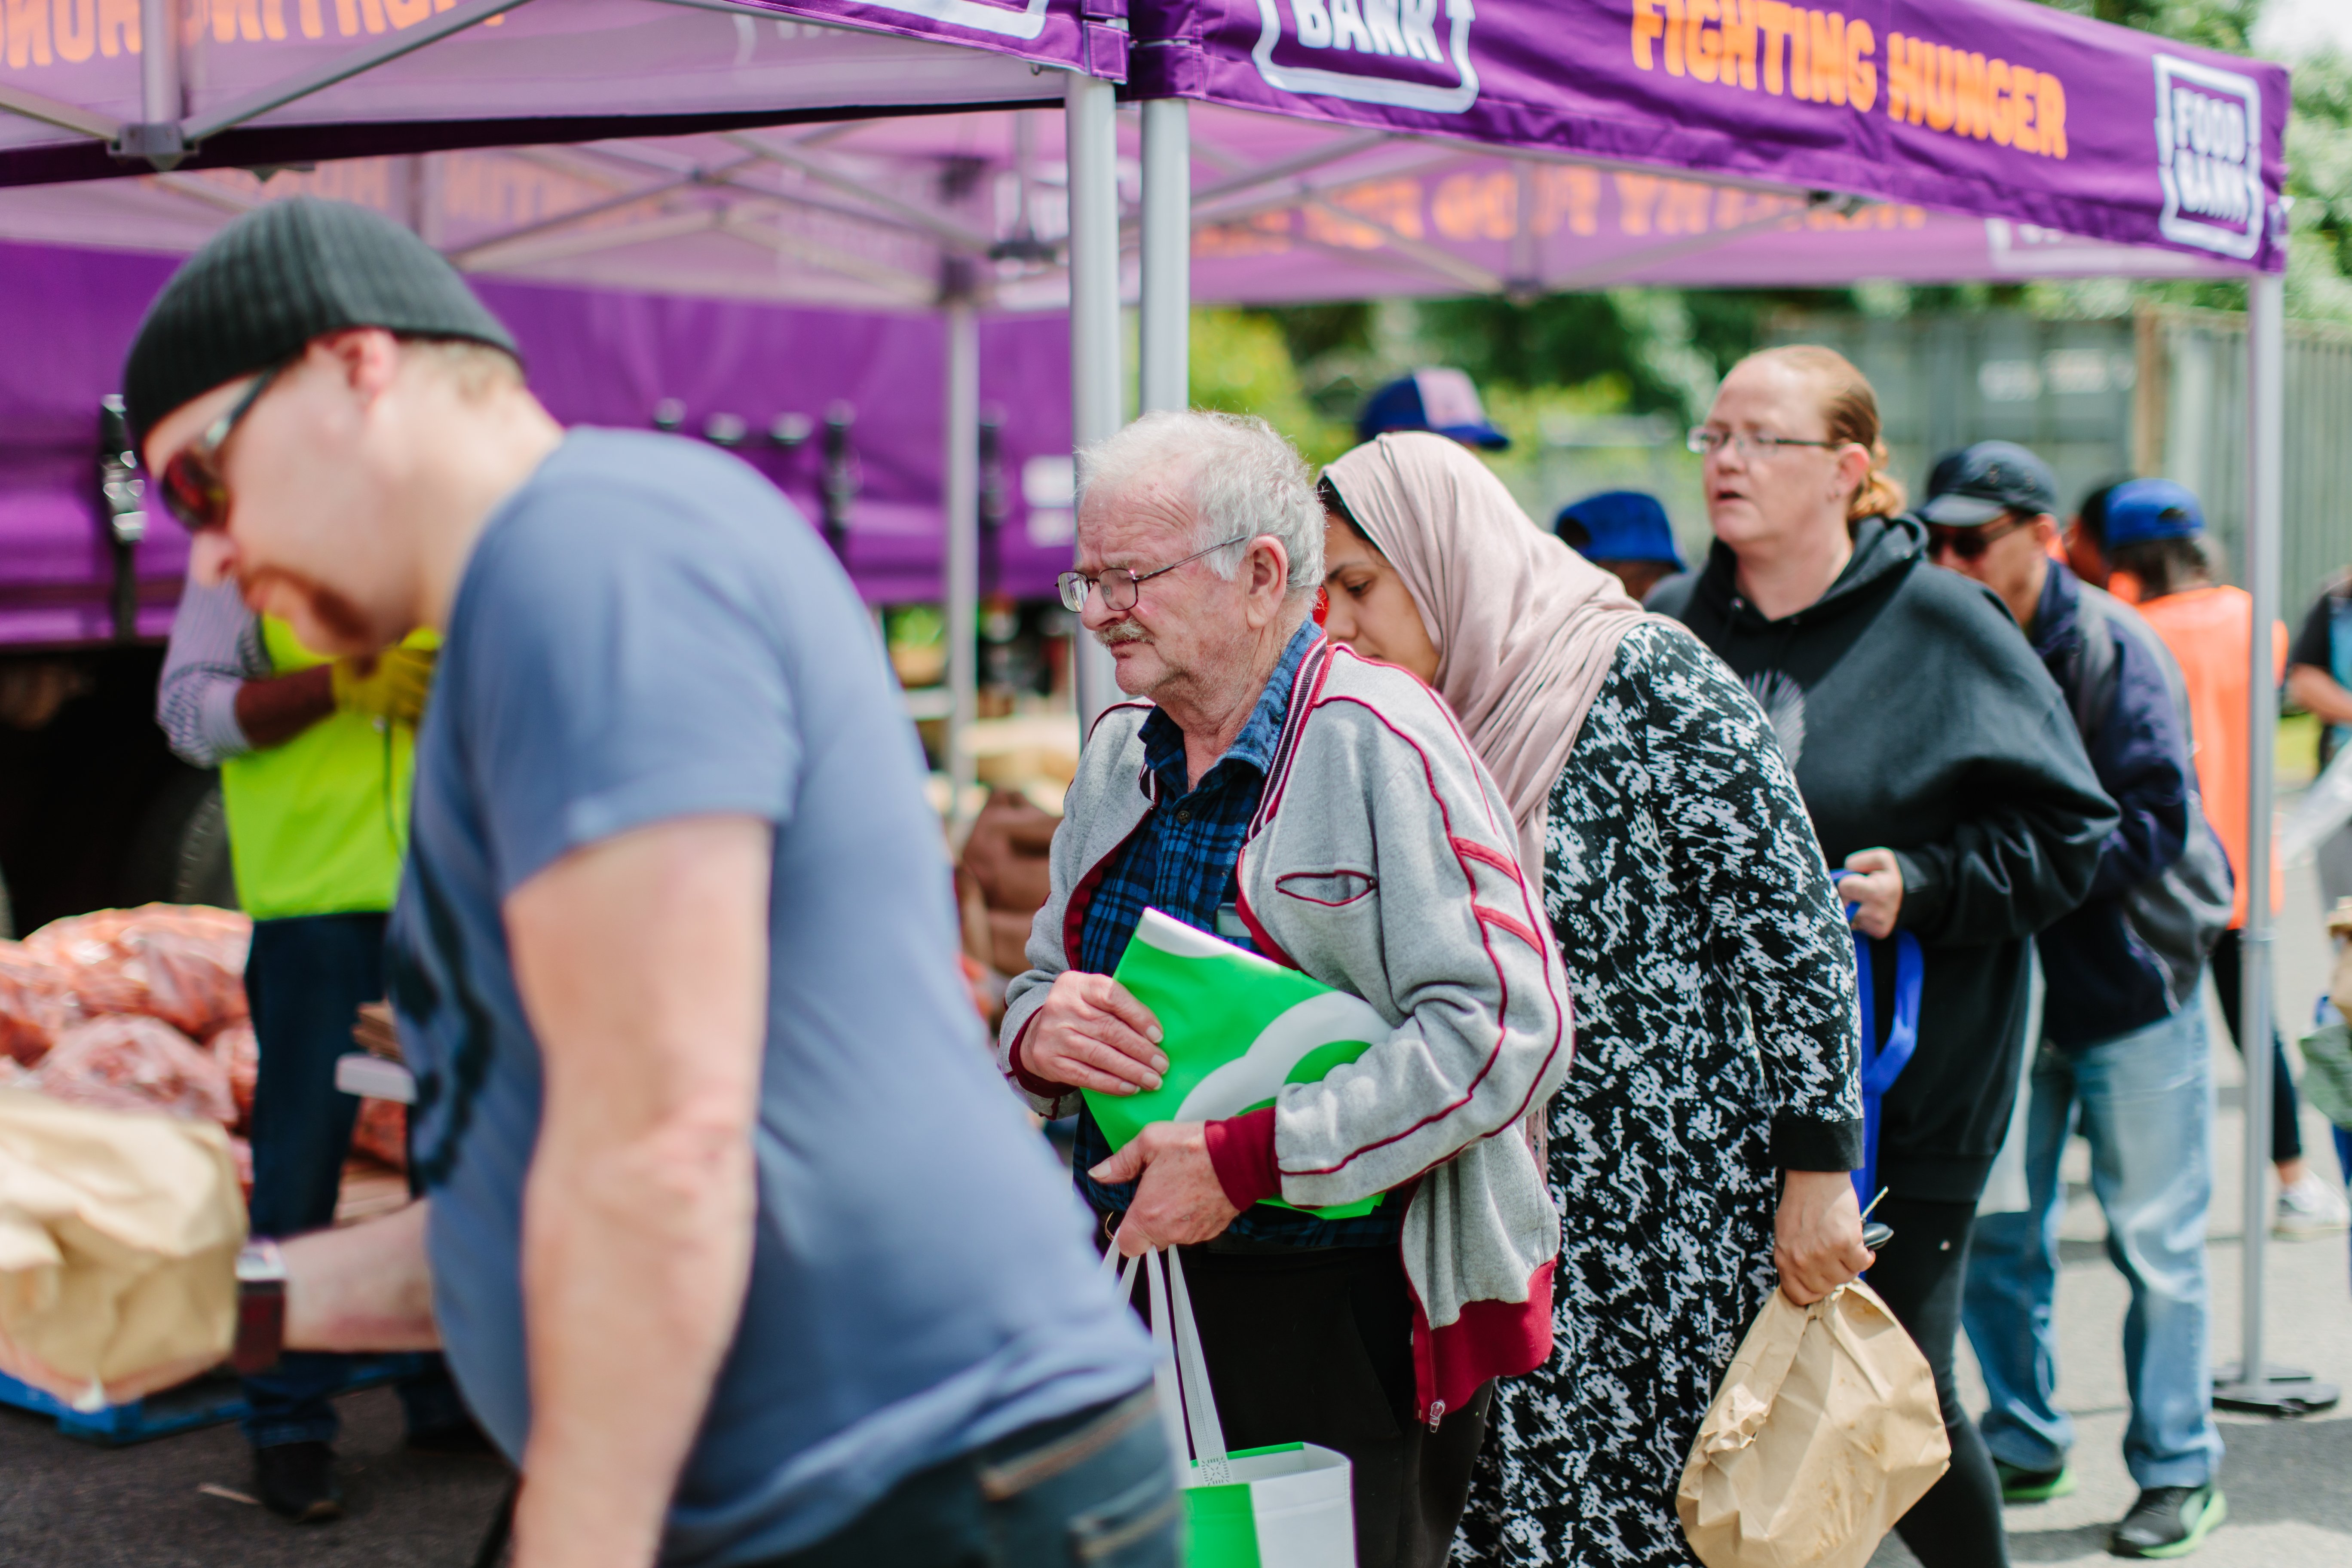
{"points": [[127, 1062], [184, 963], [239, 1055], [381, 1133], [37, 1003]]}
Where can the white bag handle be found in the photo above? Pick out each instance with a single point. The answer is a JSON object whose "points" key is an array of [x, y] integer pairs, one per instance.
{"points": [[1179, 1370]]}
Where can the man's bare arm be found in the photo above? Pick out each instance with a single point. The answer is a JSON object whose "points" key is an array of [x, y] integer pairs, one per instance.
{"points": [[274, 710], [361, 1288], [643, 963], [2315, 691]]}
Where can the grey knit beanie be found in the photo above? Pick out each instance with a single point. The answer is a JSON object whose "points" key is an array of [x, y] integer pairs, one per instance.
{"points": [[278, 277]]}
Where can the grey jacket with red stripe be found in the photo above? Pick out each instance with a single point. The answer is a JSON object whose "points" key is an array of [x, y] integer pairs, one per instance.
{"points": [[1383, 861]]}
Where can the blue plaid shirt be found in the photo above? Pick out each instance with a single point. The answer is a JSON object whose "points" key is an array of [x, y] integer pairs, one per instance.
{"points": [[1183, 862]]}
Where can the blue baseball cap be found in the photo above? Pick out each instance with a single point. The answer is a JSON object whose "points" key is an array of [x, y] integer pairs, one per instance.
{"points": [[2143, 510], [1618, 525], [1436, 399]]}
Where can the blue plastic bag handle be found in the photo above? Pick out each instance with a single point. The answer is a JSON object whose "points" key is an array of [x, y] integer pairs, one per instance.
{"points": [[1880, 1068]]}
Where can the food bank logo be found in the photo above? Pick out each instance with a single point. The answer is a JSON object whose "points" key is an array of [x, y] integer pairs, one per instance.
{"points": [[1371, 51], [2208, 155]]}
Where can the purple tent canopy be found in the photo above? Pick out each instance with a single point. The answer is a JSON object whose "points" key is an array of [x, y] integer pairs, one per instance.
{"points": [[603, 358], [262, 82], [1989, 108]]}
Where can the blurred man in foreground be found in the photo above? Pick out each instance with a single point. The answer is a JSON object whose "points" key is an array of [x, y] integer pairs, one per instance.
{"points": [[732, 1240]]}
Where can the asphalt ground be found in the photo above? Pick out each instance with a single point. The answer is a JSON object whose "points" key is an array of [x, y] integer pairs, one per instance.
{"points": [[67, 1504], [2289, 1482]]}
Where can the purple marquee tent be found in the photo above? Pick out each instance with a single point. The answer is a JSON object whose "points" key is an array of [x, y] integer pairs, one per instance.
{"points": [[90, 89], [596, 356], [1991, 108], [95, 84]]}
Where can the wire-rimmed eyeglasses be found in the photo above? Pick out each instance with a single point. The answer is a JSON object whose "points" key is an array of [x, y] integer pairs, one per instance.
{"points": [[1120, 587], [1707, 442]]}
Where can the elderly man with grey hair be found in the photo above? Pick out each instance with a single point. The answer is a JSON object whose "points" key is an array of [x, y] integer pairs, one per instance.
{"points": [[1322, 810]]}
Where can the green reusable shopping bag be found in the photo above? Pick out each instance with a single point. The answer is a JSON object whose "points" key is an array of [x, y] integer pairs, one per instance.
{"points": [[1236, 1027], [1288, 1506]]}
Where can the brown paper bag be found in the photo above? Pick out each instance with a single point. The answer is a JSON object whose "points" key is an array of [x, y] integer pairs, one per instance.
{"points": [[1824, 1433], [118, 1235]]}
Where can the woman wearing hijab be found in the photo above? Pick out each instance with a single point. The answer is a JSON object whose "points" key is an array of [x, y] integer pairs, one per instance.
{"points": [[1700, 1150], [1946, 777]]}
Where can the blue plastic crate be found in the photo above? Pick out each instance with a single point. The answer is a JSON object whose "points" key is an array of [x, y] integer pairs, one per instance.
{"points": [[206, 1401]]}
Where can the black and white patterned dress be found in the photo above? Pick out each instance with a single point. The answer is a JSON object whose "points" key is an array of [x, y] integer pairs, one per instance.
{"points": [[1715, 1002]]}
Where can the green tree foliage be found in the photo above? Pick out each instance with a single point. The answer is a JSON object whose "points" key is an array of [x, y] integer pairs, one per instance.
{"points": [[2215, 24], [1240, 362]]}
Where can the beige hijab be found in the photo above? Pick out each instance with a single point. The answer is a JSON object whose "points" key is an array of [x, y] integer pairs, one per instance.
{"points": [[1526, 628]]}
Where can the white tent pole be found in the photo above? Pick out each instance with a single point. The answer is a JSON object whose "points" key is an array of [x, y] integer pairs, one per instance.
{"points": [[1090, 129], [962, 520], [2265, 396], [160, 100], [1166, 242]]}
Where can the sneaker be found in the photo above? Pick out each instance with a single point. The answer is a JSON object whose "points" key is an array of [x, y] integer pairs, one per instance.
{"points": [[297, 1480], [2170, 1522], [2019, 1483], [2311, 1207]]}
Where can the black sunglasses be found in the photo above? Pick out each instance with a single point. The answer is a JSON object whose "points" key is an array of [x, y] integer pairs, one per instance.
{"points": [[195, 490], [1971, 543]]}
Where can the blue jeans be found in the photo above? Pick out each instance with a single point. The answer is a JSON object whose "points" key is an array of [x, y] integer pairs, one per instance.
{"points": [[2144, 1101], [305, 979], [1094, 1490]]}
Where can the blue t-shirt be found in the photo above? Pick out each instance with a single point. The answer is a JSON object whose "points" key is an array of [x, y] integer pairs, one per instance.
{"points": [[647, 630]]}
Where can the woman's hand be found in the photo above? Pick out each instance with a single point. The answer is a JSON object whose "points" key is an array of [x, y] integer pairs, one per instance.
{"points": [[1092, 1034], [1873, 883], [1817, 1235]]}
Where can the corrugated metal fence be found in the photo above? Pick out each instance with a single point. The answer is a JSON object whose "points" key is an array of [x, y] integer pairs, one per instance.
{"points": [[2189, 424]]}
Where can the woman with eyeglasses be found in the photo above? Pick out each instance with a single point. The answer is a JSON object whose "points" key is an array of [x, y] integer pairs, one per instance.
{"points": [[1942, 774], [1700, 1148]]}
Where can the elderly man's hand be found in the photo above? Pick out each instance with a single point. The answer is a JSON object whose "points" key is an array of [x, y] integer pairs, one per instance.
{"points": [[1178, 1201], [1091, 1033]]}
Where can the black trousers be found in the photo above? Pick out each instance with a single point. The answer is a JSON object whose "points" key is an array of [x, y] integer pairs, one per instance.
{"points": [[1315, 1345], [1920, 1275], [2286, 1130], [306, 977]]}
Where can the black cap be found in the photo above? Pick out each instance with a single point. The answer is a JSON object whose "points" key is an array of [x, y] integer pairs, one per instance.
{"points": [[276, 279], [1974, 485]]}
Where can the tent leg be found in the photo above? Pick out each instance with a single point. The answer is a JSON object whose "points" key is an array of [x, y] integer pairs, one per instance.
{"points": [[1090, 128], [2252, 1384], [1167, 254], [962, 518], [162, 100]]}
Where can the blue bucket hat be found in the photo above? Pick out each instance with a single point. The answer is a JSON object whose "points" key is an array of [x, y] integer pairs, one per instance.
{"points": [[2144, 510], [1620, 525], [1437, 399]]}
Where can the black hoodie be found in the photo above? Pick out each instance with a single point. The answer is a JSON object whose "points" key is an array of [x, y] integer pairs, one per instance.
{"points": [[1919, 719]]}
